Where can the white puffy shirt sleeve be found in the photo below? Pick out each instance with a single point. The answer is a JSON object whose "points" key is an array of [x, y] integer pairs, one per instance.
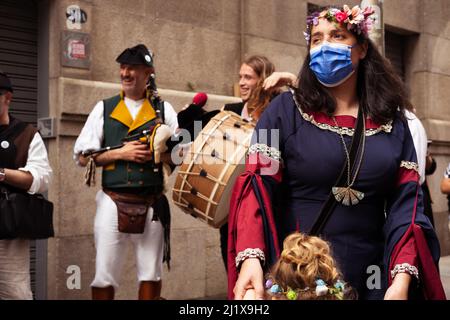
{"points": [[38, 166], [420, 140], [447, 172], [91, 136], [170, 116]]}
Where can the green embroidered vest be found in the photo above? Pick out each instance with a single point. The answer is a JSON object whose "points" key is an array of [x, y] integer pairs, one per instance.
{"points": [[124, 175]]}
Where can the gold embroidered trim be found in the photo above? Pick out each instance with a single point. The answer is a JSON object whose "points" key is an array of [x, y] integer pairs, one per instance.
{"points": [[270, 152], [343, 130], [249, 253], [410, 165], [405, 268]]}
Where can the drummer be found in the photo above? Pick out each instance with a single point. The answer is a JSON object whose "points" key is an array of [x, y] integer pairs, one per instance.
{"points": [[258, 85]]}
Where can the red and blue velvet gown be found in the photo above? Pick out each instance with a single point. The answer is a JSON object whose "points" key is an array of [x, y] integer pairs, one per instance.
{"points": [[290, 175]]}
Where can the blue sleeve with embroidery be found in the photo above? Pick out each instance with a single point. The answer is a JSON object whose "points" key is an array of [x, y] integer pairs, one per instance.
{"points": [[276, 123], [405, 200]]}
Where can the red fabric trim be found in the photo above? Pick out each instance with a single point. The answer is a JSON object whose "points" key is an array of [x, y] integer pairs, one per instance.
{"points": [[428, 272], [407, 175], [343, 120], [407, 253], [245, 228], [249, 224], [433, 289], [241, 187], [262, 164], [396, 252]]}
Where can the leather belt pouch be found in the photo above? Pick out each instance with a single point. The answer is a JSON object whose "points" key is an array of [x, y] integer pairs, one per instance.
{"points": [[131, 211], [132, 217]]}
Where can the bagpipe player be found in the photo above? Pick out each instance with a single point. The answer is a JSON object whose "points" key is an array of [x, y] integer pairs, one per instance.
{"points": [[126, 135]]}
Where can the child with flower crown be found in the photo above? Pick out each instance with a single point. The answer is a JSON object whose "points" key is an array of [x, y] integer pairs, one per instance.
{"points": [[305, 271]]}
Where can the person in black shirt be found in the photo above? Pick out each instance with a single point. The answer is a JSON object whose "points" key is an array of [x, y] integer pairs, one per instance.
{"points": [[430, 168], [258, 84]]}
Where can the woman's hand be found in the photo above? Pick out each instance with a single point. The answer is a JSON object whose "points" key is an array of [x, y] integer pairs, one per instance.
{"points": [[399, 287], [279, 79], [250, 277], [250, 294]]}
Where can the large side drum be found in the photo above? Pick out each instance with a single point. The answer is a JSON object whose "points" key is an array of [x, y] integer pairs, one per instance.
{"points": [[208, 172]]}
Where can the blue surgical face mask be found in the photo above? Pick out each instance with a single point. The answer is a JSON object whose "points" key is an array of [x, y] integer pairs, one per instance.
{"points": [[332, 63]]}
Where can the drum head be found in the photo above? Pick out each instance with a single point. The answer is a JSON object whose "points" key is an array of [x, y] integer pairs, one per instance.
{"points": [[216, 158]]}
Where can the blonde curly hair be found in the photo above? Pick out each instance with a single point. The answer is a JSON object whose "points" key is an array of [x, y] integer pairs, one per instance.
{"points": [[305, 259]]}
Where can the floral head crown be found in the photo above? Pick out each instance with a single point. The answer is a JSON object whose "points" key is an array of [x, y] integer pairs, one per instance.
{"points": [[322, 289], [357, 20]]}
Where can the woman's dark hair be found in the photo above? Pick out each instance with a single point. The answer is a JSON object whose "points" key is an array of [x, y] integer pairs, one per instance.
{"points": [[380, 90]]}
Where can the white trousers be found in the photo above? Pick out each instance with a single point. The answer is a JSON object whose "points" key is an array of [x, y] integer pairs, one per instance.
{"points": [[111, 246], [15, 270]]}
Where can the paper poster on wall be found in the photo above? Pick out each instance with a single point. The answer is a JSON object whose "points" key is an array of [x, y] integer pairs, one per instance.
{"points": [[75, 50]]}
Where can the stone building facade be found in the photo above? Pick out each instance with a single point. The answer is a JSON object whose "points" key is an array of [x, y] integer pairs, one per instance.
{"points": [[198, 46]]}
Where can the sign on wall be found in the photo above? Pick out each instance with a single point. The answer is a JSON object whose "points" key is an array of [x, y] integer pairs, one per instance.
{"points": [[75, 17], [75, 50]]}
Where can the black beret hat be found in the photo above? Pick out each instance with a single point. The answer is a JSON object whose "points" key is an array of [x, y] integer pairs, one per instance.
{"points": [[5, 83], [136, 55]]}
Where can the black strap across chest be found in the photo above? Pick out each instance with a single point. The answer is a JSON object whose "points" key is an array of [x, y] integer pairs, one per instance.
{"points": [[330, 204]]}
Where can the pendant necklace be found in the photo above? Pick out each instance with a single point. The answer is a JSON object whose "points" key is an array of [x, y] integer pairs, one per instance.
{"points": [[347, 195]]}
